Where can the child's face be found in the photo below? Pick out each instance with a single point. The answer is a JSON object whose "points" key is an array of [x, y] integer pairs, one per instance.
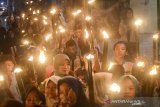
{"points": [[32, 100], [64, 68], [127, 89], [67, 95], [9, 65], [50, 90], [120, 51]]}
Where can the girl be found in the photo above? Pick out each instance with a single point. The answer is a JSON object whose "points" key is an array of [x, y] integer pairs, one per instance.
{"points": [[50, 91], [71, 93]]}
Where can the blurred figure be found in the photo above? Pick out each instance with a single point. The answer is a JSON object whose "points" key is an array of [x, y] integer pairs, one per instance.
{"points": [[71, 93], [127, 32], [51, 91], [61, 65], [34, 98], [120, 53], [117, 71], [71, 52], [2, 39], [102, 82], [129, 87], [81, 74], [12, 87], [13, 103]]}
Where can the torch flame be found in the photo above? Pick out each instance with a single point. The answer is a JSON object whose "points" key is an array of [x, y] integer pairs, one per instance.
{"points": [[90, 57], [1, 78], [115, 88], [18, 70], [105, 34], [138, 22], [42, 57], [77, 12], [91, 1]]}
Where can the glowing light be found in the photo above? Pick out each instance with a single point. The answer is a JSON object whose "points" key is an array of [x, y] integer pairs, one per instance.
{"points": [[86, 34], [77, 12], [23, 31], [5, 20], [27, 3], [18, 70], [88, 18], [23, 15], [61, 29], [48, 36], [42, 57], [155, 36], [30, 9], [38, 11], [45, 17], [140, 64], [91, 1], [45, 22], [2, 3], [115, 88], [31, 2], [53, 11], [138, 22], [153, 72], [26, 42], [111, 65], [30, 58], [105, 34], [90, 57], [35, 19], [34, 12], [1, 78]]}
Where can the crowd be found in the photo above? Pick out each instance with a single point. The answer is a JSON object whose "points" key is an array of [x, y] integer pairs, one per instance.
{"points": [[64, 81]]}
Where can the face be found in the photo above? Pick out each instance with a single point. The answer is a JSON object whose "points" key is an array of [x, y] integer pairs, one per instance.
{"points": [[129, 14], [64, 68], [67, 95], [32, 100], [120, 51], [127, 89], [9, 65], [50, 90], [72, 50]]}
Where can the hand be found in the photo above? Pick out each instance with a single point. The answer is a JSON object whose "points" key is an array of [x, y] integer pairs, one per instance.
{"points": [[128, 66]]}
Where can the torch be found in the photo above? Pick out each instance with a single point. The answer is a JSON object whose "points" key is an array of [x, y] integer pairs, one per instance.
{"points": [[90, 57], [105, 50], [155, 38], [138, 23]]}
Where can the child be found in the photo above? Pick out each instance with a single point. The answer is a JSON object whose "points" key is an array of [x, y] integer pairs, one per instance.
{"points": [[71, 93], [34, 98]]}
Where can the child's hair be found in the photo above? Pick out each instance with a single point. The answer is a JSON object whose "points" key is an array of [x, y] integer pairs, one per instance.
{"points": [[4, 58], [120, 42], [134, 81], [13, 103], [70, 43], [39, 94]]}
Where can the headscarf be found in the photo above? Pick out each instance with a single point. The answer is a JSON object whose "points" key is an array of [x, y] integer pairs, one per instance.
{"points": [[58, 60], [39, 94], [53, 78], [50, 102], [134, 81], [76, 85]]}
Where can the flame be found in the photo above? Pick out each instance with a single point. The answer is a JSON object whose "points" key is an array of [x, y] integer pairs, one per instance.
{"points": [[42, 57]]}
